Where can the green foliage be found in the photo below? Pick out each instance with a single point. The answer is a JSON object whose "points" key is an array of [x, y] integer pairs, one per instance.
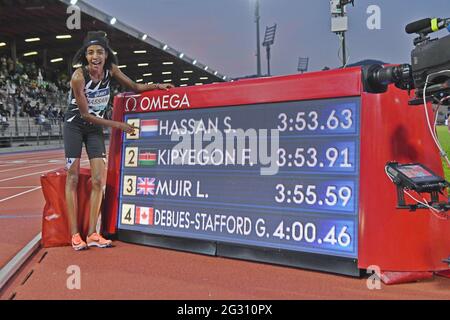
{"points": [[444, 139]]}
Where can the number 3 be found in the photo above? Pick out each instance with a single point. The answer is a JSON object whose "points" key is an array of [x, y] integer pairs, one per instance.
{"points": [[129, 185]]}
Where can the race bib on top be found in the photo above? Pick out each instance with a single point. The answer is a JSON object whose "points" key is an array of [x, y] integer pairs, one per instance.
{"points": [[98, 100]]}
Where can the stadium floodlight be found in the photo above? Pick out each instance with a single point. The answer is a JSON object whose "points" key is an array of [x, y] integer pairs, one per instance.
{"points": [[56, 60], [215, 73], [224, 77], [2, 44], [194, 62], [144, 36], [165, 47], [184, 79], [142, 64], [73, 2], [32, 39], [302, 64], [167, 80], [269, 36], [181, 55], [32, 53], [113, 21], [188, 71], [147, 74], [203, 78], [139, 80], [269, 39], [140, 51], [115, 53], [206, 68], [122, 66], [167, 62], [166, 72], [63, 36]]}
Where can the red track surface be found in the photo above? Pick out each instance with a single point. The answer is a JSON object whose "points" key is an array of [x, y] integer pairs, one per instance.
{"points": [[136, 272], [21, 200]]}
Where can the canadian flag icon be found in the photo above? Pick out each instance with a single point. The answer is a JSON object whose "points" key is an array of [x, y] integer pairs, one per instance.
{"points": [[144, 215]]}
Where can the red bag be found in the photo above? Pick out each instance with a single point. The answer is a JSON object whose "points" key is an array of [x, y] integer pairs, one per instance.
{"points": [[55, 226]]}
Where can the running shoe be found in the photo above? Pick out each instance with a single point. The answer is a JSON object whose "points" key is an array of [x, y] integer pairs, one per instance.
{"points": [[78, 243], [96, 240]]}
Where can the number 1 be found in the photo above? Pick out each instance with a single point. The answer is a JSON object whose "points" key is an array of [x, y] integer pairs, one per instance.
{"points": [[135, 123]]}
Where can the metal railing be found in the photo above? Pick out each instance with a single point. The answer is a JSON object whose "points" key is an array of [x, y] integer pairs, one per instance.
{"points": [[26, 130]]}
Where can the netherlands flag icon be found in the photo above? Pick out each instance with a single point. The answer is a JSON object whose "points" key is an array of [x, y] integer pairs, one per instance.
{"points": [[149, 128]]}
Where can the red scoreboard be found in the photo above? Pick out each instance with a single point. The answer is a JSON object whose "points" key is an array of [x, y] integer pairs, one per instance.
{"points": [[286, 170]]}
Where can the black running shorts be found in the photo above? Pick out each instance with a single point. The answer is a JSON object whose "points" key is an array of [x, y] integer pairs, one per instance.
{"points": [[75, 133]]}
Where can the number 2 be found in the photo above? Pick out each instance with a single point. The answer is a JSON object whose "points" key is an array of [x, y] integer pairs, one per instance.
{"points": [[131, 156]]}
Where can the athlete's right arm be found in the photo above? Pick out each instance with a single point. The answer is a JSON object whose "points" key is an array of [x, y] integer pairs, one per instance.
{"points": [[77, 82]]}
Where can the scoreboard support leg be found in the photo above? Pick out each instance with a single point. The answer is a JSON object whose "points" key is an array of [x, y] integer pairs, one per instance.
{"points": [[331, 264], [182, 244]]}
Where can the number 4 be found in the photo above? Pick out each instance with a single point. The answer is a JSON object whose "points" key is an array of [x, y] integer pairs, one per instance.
{"points": [[127, 214], [331, 236]]}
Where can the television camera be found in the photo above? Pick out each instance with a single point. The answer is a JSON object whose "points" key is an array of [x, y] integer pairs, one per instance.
{"points": [[429, 75], [429, 71]]}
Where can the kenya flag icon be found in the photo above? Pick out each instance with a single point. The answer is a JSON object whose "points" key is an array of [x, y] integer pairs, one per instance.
{"points": [[147, 157], [144, 215]]}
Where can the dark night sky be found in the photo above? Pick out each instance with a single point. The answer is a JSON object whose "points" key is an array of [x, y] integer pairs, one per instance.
{"points": [[222, 33]]}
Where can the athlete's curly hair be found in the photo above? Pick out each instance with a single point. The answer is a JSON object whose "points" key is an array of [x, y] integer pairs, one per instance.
{"points": [[95, 38]]}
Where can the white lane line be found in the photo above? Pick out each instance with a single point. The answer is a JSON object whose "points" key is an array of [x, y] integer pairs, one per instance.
{"points": [[30, 157], [19, 168], [19, 194], [17, 216], [35, 173], [42, 161], [28, 161], [19, 187], [19, 259], [26, 175]]}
